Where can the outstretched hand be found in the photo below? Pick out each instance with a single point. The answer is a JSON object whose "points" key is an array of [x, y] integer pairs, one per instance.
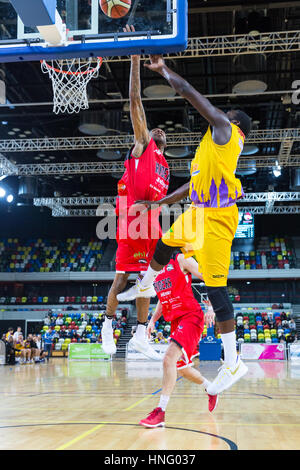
{"points": [[142, 206], [150, 329], [209, 316], [157, 63], [131, 29]]}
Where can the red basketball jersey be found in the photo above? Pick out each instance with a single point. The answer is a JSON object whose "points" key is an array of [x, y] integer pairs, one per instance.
{"points": [[174, 290], [145, 178]]}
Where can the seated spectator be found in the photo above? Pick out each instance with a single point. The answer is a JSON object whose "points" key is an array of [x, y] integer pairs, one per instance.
{"points": [[27, 345], [292, 324], [9, 333], [93, 338], [283, 316], [59, 321], [41, 352], [21, 351], [119, 326], [17, 333], [160, 337], [47, 320]]}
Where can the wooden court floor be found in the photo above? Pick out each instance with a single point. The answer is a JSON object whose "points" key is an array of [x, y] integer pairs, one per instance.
{"points": [[79, 406]]}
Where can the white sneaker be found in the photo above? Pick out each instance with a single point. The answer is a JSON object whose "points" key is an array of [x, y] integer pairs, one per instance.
{"points": [[144, 347], [227, 376], [129, 294], [108, 344], [137, 291]]}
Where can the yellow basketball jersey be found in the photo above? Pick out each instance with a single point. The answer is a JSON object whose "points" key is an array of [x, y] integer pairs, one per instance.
{"points": [[213, 182]]}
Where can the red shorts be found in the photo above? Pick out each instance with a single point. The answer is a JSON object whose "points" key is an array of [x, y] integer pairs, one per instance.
{"points": [[134, 255], [186, 332]]}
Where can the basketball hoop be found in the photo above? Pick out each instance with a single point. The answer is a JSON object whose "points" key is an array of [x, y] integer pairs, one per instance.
{"points": [[70, 78]]}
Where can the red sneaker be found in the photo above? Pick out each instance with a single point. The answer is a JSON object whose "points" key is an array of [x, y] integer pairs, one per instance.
{"points": [[212, 402], [155, 419]]}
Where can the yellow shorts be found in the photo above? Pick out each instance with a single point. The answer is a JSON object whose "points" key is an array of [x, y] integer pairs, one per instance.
{"points": [[206, 234]]}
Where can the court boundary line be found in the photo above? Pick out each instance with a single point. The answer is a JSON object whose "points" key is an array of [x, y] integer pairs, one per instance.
{"points": [[232, 445]]}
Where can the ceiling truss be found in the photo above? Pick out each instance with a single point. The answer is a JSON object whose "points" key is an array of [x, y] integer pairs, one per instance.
{"points": [[81, 206], [126, 141]]}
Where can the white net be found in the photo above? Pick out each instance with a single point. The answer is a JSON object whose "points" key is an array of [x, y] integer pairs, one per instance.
{"points": [[70, 78]]}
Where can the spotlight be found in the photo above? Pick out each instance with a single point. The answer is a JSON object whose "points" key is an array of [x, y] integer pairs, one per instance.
{"points": [[277, 170], [10, 198], [2, 192]]}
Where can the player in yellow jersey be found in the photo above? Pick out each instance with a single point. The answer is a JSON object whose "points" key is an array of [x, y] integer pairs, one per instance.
{"points": [[207, 229]]}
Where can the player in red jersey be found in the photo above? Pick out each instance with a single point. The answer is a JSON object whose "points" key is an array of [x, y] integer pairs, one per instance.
{"points": [[178, 305], [146, 177]]}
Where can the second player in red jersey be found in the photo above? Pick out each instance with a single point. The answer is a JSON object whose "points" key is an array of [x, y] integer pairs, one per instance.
{"points": [[178, 305]]}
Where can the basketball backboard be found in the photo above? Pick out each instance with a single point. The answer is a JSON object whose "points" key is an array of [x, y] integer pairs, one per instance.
{"points": [[161, 27]]}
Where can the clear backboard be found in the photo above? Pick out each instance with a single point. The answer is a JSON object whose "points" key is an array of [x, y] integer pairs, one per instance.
{"points": [[161, 27]]}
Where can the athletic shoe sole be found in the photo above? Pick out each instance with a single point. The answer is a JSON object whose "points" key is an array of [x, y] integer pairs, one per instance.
{"points": [[145, 353], [241, 374], [159, 425]]}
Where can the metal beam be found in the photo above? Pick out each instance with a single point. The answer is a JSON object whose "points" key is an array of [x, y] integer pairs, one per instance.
{"points": [[212, 46], [6, 167], [77, 206], [118, 167], [145, 100], [97, 200], [245, 6], [255, 210], [126, 141]]}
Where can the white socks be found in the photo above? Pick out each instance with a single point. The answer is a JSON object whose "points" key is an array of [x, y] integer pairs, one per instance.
{"points": [[229, 343], [164, 399], [149, 277], [205, 383], [107, 322], [163, 402], [141, 332]]}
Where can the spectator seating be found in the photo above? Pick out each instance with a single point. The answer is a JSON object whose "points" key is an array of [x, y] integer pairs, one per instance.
{"points": [[271, 253], [41, 255], [252, 326], [79, 327], [263, 327], [54, 300]]}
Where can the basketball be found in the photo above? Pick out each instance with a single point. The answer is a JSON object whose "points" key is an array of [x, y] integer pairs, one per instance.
{"points": [[115, 8]]}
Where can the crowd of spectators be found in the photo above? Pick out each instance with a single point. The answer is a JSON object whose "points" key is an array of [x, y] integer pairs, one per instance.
{"points": [[18, 349]]}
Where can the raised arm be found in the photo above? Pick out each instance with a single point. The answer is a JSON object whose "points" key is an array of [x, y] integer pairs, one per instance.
{"points": [[137, 112], [190, 265], [172, 198], [216, 118]]}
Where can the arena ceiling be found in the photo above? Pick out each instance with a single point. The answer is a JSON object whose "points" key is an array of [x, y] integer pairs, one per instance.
{"points": [[29, 94]]}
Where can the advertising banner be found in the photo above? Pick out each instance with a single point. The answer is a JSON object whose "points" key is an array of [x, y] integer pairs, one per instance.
{"points": [[271, 352], [87, 352], [133, 355]]}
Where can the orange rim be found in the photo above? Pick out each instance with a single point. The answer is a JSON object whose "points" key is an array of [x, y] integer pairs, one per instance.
{"points": [[100, 60]]}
